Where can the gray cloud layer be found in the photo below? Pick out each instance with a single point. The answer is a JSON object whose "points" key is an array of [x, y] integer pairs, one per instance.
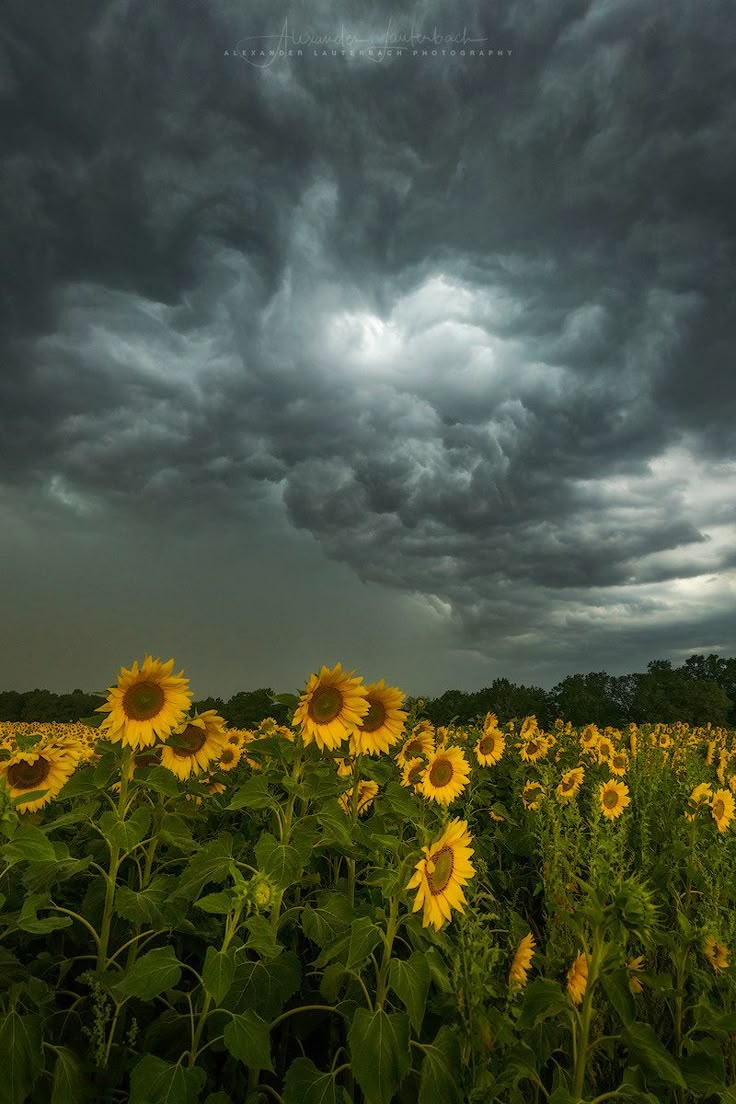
{"points": [[468, 323]]}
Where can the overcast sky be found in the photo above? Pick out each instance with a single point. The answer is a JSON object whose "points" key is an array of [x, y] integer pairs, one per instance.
{"points": [[422, 362]]}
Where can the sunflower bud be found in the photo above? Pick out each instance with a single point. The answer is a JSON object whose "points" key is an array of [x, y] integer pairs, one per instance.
{"points": [[261, 892], [633, 906]]}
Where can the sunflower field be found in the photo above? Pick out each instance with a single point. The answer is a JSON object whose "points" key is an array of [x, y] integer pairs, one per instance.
{"points": [[358, 906]]}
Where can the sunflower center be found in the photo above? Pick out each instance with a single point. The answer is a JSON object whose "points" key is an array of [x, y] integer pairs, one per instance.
{"points": [[375, 716], [567, 784], [532, 747], [444, 863], [610, 799], [718, 808], [193, 737], [227, 756], [441, 773], [619, 762], [29, 776], [147, 759], [415, 774], [487, 745], [325, 704], [414, 747], [143, 701]]}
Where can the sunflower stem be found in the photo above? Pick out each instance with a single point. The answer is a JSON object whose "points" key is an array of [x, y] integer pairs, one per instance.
{"points": [[112, 871], [594, 963], [391, 929], [231, 926]]}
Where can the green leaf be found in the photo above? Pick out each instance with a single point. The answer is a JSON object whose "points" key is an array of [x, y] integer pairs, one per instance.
{"points": [[68, 1084], [28, 844], [262, 938], [305, 1084], [20, 1047], [26, 798], [174, 831], [153, 1081], [282, 863], [616, 987], [441, 1075], [125, 834], [29, 921], [218, 973], [210, 864], [646, 1048], [146, 906], [248, 1039], [160, 780], [325, 922], [400, 801], [410, 979], [265, 985], [254, 794], [27, 741], [364, 937], [336, 827], [218, 1098], [704, 1073], [219, 904], [542, 998], [81, 784], [379, 1049], [151, 974]]}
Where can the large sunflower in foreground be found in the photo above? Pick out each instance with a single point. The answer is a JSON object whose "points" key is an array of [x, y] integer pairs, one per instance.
{"points": [[197, 742], [577, 978], [147, 703], [28, 772], [722, 809], [446, 775], [614, 797], [383, 723], [331, 707], [522, 962], [441, 874], [490, 747]]}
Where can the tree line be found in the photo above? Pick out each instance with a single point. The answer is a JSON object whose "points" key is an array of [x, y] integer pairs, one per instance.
{"points": [[702, 689]]}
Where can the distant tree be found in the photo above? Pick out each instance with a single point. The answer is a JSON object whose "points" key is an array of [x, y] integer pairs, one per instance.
{"points": [[11, 705], [586, 699], [248, 707], [664, 694], [210, 703]]}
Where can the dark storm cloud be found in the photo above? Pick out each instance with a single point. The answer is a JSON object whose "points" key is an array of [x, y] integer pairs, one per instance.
{"points": [[473, 322]]}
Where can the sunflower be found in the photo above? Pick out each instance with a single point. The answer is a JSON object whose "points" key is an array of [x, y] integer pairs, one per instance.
{"points": [[446, 775], [614, 797], [722, 808], [570, 783], [532, 795], [700, 797], [528, 728], [344, 766], [533, 749], [635, 967], [147, 703], [383, 723], [522, 962], [440, 876], [577, 978], [229, 757], [605, 749], [197, 742], [589, 737], [215, 788], [618, 762], [421, 742], [716, 953], [235, 737], [331, 707], [411, 773], [490, 747], [43, 772], [366, 792]]}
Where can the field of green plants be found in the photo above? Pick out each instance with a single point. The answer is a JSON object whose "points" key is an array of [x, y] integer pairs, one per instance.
{"points": [[358, 906]]}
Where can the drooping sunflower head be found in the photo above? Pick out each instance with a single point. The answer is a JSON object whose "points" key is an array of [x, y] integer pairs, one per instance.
{"points": [[577, 978], [383, 724], [722, 809], [331, 708], [490, 747], [635, 967], [570, 783], [532, 795], [147, 703], [364, 796], [441, 874], [613, 797], [700, 798], [589, 737], [522, 962], [529, 728], [43, 772], [421, 742], [446, 775], [411, 773], [717, 953], [195, 743]]}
